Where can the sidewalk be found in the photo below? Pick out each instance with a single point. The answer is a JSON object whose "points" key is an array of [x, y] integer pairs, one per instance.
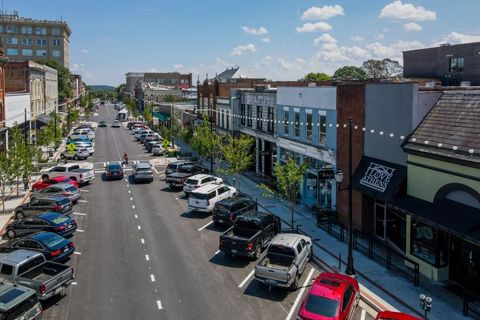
{"points": [[394, 289]]}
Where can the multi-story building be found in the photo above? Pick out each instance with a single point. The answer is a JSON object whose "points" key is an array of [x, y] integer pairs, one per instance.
{"points": [[450, 64], [51, 90], [169, 79], [3, 129], [131, 83], [29, 39]]}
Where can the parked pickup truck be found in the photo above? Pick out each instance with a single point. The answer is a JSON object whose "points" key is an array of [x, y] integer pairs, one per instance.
{"points": [[71, 170], [250, 234], [287, 256], [30, 269], [19, 303], [177, 179]]}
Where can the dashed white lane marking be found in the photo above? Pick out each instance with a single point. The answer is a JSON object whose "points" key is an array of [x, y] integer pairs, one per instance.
{"points": [[131, 199], [152, 277], [300, 294], [82, 201], [142, 241], [83, 190], [180, 196], [136, 217], [104, 164], [126, 180], [362, 317], [76, 252], [159, 305], [205, 226], [139, 228], [155, 170], [133, 207], [74, 283], [247, 278], [129, 190], [147, 257], [80, 230], [128, 185], [79, 214], [217, 252]]}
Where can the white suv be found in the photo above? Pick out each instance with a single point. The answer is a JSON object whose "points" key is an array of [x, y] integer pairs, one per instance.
{"points": [[199, 180], [204, 198]]}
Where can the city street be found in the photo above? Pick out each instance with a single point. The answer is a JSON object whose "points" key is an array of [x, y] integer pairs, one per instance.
{"points": [[142, 255]]}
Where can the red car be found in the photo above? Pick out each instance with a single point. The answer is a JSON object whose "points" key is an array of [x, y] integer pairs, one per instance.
{"points": [[332, 296], [389, 315], [42, 184]]}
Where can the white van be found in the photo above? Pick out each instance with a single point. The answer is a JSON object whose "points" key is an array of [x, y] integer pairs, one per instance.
{"points": [[204, 198], [198, 181], [83, 133]]}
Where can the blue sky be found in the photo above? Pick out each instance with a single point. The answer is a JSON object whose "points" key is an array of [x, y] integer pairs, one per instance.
{"points": [[282, 39]]}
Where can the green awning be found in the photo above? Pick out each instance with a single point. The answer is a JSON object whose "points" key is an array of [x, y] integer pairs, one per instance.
{"points": [[161, 116]]}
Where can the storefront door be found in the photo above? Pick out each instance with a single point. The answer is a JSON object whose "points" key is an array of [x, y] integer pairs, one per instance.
{"points": [[379, 209], [465, 263]]}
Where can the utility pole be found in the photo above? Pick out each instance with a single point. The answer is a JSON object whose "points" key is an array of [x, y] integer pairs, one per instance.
{"points": [[25, 128]]}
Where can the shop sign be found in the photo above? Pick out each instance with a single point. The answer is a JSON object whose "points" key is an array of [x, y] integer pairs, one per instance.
{"points": [[377, 176], [326, 174]]}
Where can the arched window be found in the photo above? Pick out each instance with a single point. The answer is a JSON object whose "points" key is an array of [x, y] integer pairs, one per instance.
{"points": [[460, 193]]}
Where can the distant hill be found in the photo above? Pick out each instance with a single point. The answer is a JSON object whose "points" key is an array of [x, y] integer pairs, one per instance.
{"points": [[102, 87]]}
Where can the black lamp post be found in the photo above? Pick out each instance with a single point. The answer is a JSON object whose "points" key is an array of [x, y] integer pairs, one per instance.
{"points": [[350, 270]]}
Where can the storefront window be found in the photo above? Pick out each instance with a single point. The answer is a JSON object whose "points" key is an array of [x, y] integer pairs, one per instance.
{"points": [[429, 243], [325, 194]]}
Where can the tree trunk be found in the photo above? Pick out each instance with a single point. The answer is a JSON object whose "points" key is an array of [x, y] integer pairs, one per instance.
{"points": [[17, 185], [292, 213], [238, 181]]}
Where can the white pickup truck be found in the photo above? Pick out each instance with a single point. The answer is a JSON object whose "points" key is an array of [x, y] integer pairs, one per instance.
{"points": [[70, 170]]}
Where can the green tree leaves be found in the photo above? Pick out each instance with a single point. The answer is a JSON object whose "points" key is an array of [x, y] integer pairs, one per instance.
{"points": [[319, 76], [238, 154]]}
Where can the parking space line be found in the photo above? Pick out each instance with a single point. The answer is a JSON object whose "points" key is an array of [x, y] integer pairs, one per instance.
{"points": [[300, 294], [80, 230], [83, 190], [79, 214], [147, 257], [142, 241], [155, 169], [76, 252], [133, 206], [139, 228], [152, 277], [159, 305], [247, 278], [362, 317], [131, 199], [129, 190], [217, 252], [74, 283], [205, 226], [136, 217], [82, 201]]}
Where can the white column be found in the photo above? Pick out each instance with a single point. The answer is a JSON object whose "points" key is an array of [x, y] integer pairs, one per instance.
{"points": [[263, 157], [257, 153]]}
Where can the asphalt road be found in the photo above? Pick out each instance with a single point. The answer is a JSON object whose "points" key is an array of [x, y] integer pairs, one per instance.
{"points": [[142, 255]]}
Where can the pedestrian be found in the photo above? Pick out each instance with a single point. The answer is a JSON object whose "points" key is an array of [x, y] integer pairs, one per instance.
{"points": [[125, 158], [26, 183]]}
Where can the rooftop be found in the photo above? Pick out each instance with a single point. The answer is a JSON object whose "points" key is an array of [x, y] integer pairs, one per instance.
{"points": [[14, 17]]}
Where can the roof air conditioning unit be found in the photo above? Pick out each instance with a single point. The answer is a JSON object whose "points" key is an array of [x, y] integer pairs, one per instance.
{"points": [[312, 84]]}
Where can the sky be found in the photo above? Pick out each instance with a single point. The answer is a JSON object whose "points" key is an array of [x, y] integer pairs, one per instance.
{"points": [[274, 39]]}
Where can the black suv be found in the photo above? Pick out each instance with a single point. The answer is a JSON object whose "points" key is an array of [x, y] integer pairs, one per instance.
{"points": [[174, 166], [225, 211]]}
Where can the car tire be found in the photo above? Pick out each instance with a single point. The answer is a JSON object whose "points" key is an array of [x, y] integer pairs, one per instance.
{"points": [[11, 233], [311, 254], [20, 215], [75, 157]]}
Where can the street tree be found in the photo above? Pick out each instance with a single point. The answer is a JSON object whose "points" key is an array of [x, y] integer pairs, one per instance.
{"points": [[7, 175], [289, 177], [350, 73], [206, 142], [16, 151], [186, 134], [238, 154], [318, 76], [382, 69]]}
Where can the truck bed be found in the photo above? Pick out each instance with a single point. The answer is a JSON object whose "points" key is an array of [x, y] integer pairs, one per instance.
{"points": [[277, 264]]}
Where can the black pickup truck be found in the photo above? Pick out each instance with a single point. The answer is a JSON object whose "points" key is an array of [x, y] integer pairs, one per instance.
{"points": [[178, 178], [250, 234]]}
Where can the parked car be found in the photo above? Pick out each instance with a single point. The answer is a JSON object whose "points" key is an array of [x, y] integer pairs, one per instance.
{"points": [[390, 315], [142, 132], [59, 189], [78, 154], [19, 302], [102, 123], [39, 185], [83, 132], [204, 198], [116, 124], [227, 210], [331, 296], [114, 170], [142, 171], [157, 149], [199, 180], [82, 144], [47, 221], [60, 204], [131, 124], [151, 143], [175, 165], [140, 127], [177, 179], [32, 270], [287, 257], [250, 234], [71, 170], [53, 246]]}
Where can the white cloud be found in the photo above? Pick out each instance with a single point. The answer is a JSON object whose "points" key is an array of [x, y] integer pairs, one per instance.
{"points": [[323, 13], [178, 66], [333, 53], [393, 51], [81, 68], [295, 65], [412, 26], [153, 70], [324, 38], [399, 11], [84, 51], [314, 27], [264, 63], [458, 38], [266, 40], [241, 49], [357, 38], [256, 32], [378, 36]]}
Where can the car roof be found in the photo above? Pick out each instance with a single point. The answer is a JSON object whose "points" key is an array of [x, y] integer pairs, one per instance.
{"points": [[286, 239], [48, 215], [11, 294], [55, 198], [62, 185], [390, 315], [329, 285], [59, 178], [253, 215], [209, 187], [143, 165], [200, 176], [18, 256], [41, 235], [116, 164], [234, 200]]}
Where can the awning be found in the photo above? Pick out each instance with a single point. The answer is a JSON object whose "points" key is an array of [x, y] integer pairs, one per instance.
{"points": [[161, 116], [380, 179], [457, 219]]}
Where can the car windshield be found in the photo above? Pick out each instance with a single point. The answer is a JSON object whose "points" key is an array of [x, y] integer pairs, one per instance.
{"points": [[222, 208], [192, 181], [113, 167], [200, 196], [71, 189], [144, 170], [59, 219], [21, 308], [322, 306], [53, 240], [63, 202]]}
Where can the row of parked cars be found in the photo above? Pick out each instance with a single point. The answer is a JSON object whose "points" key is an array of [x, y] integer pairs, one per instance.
{"points": [[151, 140], [32, 265], [82, 137]]}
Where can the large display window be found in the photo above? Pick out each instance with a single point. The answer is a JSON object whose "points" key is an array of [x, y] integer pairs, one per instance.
{"points": [[429, 243]]}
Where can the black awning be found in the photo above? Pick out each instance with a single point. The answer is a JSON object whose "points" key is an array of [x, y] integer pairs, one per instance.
{"points": [[380, 179], [459, 219]]}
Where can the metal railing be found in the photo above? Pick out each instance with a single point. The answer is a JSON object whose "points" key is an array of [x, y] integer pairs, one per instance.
{"points": [[471, 303]]}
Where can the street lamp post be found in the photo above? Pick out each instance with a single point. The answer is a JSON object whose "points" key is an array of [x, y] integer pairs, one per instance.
{"points": [[350, 270], [426, 304]]}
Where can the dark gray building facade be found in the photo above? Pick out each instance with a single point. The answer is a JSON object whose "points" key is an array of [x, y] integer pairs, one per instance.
{"points": [[452, 64]]}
